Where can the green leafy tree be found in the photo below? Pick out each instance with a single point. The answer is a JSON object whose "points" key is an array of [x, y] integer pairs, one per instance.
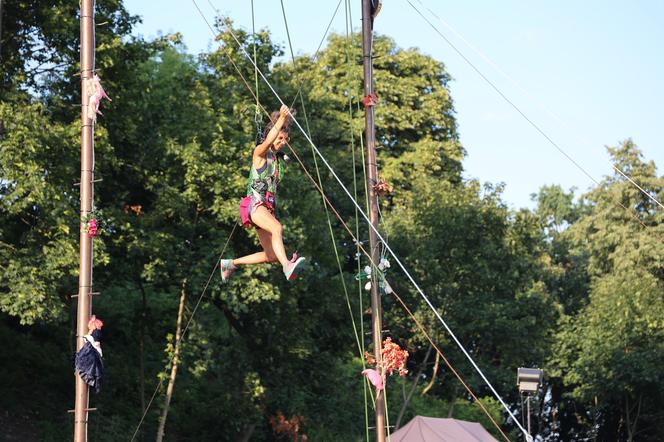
{"points": [[173, 150], [609, 353]]}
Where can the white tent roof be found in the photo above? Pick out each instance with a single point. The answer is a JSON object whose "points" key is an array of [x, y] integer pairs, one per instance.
{"points": [[433, 429]]}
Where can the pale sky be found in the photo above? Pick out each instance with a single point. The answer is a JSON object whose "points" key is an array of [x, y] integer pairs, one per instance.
{"points": [[588, 73]]}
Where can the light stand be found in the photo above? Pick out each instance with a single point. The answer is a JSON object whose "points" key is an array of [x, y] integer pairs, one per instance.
{"points": [[529, 381]]}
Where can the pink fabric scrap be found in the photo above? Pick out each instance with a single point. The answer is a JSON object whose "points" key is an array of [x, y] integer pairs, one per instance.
{"points": [[95, 323], [95, 94], [92, 228], [374, 377]]}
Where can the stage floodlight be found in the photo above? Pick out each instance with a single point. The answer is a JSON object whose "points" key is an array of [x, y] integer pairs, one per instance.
{"points": [[529, 380]]}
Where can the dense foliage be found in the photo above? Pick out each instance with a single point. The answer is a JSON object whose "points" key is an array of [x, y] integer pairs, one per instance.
{"points": [[574, 287]]}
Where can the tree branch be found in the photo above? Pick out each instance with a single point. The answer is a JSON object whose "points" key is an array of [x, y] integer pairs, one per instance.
{"points": [[436, 365], [412, 388]]}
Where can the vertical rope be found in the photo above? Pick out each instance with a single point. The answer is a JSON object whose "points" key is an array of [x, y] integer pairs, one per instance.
{"points": [[398, 261], [349, 43], [387, 415], [320, 182], [257, 111]]}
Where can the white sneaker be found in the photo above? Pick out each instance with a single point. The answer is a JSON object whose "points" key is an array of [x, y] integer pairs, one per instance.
{"points": [[293, 267], [227, 268]]}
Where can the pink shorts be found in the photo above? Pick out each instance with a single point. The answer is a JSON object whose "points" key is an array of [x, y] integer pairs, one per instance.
{"points": [[249, 204]]}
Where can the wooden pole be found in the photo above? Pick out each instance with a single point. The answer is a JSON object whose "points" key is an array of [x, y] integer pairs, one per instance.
{"points": [[87, 176], [372, 178], [174, 363]]}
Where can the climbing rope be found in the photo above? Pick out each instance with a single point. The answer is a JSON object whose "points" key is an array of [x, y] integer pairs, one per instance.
{"points": [[328, 203], [260, 107], [359, 340], [257, 113], [420, 291], [349, 24], [320, 181], [320, 45], [378, 234], [358, 243]]}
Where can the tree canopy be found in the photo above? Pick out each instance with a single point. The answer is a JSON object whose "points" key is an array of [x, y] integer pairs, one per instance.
{"points": [[573, 286]]}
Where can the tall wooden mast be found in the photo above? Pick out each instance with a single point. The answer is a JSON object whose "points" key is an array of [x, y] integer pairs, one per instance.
{"points": [[87, 177], [372, 179]]}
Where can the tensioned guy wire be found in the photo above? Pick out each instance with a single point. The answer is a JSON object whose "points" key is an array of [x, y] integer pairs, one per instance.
{"points": [[382, 239], [395, 294], [631, 212], [350, 232], [531, 122], [532, 98]]}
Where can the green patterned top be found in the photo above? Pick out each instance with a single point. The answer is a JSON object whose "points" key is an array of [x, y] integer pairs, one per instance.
{"points": [[265, 179]]}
